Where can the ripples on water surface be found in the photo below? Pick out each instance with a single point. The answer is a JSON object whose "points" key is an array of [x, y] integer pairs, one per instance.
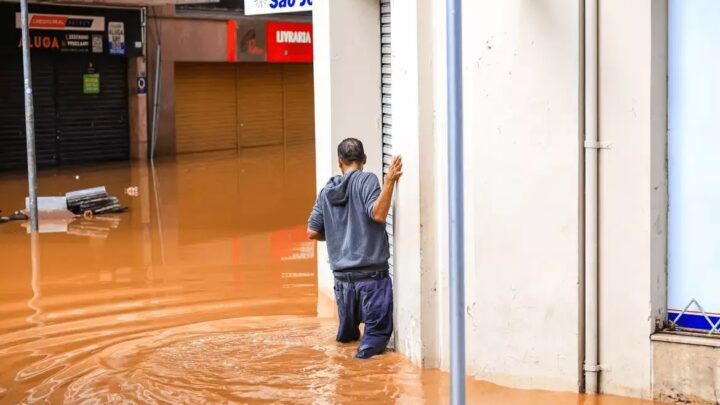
{"points": [[204, 292]]}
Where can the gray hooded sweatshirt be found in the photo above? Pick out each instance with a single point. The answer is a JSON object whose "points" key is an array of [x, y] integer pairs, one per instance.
{"points": [[343, 213]]}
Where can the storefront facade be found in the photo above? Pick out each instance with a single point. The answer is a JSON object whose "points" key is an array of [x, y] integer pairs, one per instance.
{"points": [[84, 64], [231, 81]]}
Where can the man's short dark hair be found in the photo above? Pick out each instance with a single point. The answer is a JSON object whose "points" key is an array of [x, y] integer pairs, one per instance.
{"points": [[350, 151]]}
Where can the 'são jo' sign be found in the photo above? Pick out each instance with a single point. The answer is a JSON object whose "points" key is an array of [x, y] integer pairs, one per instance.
{"points": [[255, 7]]}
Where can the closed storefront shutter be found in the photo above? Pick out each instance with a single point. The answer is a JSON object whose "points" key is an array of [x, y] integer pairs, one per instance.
{"points": [[13, 149], [299, 104], [92, 127], [386, 70], [260, 104], [226, 106], [205, 107]]}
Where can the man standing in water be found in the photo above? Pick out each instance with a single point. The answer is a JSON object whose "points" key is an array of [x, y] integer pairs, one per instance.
{"points": [[350, 214]]}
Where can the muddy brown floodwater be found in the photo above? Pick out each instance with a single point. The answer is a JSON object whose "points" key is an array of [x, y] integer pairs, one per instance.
{"points": [[203, 292]]}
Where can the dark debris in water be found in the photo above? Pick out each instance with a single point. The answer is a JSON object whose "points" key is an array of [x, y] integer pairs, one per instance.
{"points": [[96, 200]]}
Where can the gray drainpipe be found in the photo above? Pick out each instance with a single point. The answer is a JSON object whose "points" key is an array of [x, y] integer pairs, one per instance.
{"points": [[592, 146]]}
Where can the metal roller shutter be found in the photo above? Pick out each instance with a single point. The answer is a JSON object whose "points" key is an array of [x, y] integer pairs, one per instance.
{"points": [[92, 127], [386, 67], [299, 104], [260, 104], [13, 149], [225, 106], [205, 107]]}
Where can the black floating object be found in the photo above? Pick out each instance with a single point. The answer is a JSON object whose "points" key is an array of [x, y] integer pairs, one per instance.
{"points": [[94, 199]]}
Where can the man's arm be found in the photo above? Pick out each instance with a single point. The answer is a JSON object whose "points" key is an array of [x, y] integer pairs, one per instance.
{"points": [[316, 222], [382, 204]]}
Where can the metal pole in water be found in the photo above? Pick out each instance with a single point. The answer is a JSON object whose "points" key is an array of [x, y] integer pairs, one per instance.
{"points": [[29, 118], [455, 191], [156, 103]]}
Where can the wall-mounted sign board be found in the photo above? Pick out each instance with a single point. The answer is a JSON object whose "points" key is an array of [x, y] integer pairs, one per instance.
{"points": [[256, 7]]}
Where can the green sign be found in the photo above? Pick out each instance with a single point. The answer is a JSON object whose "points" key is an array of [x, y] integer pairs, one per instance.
{"points": [[91, 83]]}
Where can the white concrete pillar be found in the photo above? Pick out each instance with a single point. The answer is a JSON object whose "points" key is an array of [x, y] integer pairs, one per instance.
{"points": [[434, 201], [633, 190], [418, 110], [347, 92], [406, 112]]}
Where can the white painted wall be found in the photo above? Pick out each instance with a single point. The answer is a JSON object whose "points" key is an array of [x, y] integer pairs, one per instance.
{"points": [[633, 189], [523, 143], [347, 92], [523, 139]]}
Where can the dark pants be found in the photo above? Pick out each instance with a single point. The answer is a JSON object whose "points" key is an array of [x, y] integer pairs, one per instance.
{"points": [[368, 301]]}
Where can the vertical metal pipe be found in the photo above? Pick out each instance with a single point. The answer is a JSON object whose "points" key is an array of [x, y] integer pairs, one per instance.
{"points": [[455, 191], [591, 366], [29, 118], [156, 100]]}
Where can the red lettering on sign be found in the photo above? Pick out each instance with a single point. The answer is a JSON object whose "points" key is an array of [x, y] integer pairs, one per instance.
{"points": [[289, 42], [48, 21], [45, 42]]}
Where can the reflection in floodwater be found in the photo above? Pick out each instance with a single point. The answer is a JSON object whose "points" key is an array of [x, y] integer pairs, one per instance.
{"points": [[35, 280], [97, 227], [203, 292]]}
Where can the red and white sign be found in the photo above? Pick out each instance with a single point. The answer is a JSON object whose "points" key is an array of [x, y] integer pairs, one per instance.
{"points": [[61, 22], [289, 42]]}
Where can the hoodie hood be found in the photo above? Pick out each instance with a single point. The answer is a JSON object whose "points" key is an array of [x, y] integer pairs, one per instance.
{"points": [[337, 188]]}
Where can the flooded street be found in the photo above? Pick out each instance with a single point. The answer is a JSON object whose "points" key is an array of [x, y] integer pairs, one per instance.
{"points": [[203, 292]]}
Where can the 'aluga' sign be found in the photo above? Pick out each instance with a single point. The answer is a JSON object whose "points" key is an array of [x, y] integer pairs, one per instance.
{"points": [[255, 7]]}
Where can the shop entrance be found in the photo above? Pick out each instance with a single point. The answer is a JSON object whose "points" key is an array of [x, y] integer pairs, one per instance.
{"points": [[81, 110]]}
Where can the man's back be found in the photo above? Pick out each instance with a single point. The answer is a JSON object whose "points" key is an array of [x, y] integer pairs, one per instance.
{"points": [[343, 212], [350, 215]]}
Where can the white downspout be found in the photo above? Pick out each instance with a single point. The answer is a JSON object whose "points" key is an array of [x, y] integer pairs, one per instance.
{"points": [[592, 146]]}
